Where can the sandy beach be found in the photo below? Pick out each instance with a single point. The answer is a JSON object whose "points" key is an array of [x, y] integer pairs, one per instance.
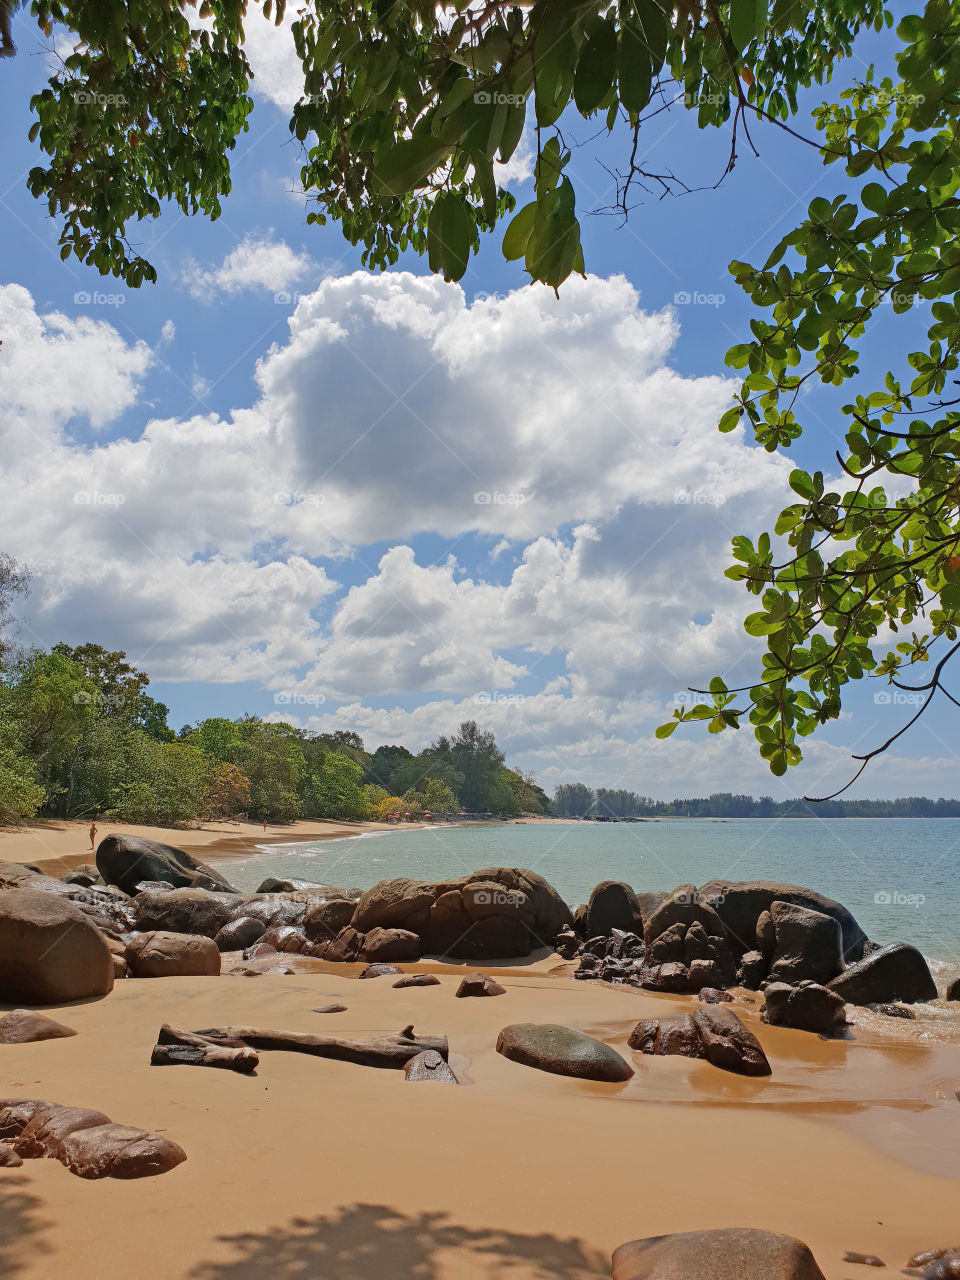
{"points": [[58, 845], [322, 1168]]}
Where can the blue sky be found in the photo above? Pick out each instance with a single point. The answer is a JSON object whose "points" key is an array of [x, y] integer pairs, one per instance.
{"points": [[287, 486]]}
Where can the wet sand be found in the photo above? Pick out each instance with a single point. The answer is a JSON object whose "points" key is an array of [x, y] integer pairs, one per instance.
{"points": [[348, 1173], [59, 845]]}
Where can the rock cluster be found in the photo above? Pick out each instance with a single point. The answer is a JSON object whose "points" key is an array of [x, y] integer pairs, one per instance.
{"points": [[714, 1033], [737, 1253]]}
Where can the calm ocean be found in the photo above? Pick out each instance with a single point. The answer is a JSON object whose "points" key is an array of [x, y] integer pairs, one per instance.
{"points": [[897, 876]]}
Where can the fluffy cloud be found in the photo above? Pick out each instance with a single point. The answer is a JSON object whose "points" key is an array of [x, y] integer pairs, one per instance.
{"points": [[253, 264]]}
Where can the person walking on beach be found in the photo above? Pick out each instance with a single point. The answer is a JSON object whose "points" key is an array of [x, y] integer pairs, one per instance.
{"points": [[93, 835], [264, 826]]}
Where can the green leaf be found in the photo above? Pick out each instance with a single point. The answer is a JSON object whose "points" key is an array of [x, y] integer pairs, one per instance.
{"points": [[449, 232], [409, 163], [517, 234], [665, 730], [747, 21], [634, 69], [597, 67]]}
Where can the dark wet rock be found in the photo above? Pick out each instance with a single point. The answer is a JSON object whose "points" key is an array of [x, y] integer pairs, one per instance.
{"points": [[50, 953], [429, 1065], [344, 948], [562, 1051], [736, 1253], [379, 970], [23, 1026], [924, 1259], [479, 984], [863, 1259], [325, 891], [808, 1007], [126, 860], [945, 1268], [953, 991], [184, 911], [766, 935], [86, 876], [703, 973], [118, 1151], [894, 1010], [172, 955], [9, 1158], [674, 979], [625, 945], [683, 906], [649, 900], [728, 1044], [675, 1036], [613, 905], [713, 995], [809, 944], [895, 973], [48, 1125], [596, 946], [565, 944], [417, 980], [324, 921], [237, 935], [667, 947], [259, 950], [752, 971], [330, 1008], [152, 886], [390, 945], [286, 937], [696, 944], [740, 903]]}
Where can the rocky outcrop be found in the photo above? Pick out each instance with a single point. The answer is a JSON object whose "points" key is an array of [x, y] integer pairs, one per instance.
{"points": [[172, 955], [126, 860], [562, 1051], [807, 945], [953, 990], [612, 905], [324, 921], [740, 903], [396, 945], [237, 935], [23, 1026], [185, 911], [737, 1253], [684, 906], [86, 1141], [498, 912], [711, 1032], [50, 953], [897, 972], [808, 1007]]}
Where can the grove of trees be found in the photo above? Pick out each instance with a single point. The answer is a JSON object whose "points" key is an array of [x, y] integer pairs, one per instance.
{"points": [[575, 800]]}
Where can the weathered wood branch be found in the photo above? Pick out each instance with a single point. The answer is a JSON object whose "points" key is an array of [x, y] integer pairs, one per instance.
{"points": [[175, 1048], [383, 1051]]}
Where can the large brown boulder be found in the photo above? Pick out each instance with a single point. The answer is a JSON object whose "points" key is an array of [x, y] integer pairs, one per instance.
{"points": [[395, 945], [172, 955], [808, 945], [897, 972], [324, 921], [683, 907], [612, 905], [736, 1253], [740, 903], [808, 1007], [50, 953], [727, 1043], [118, 1151], [674, 1036], [126, 860], [23, 1026], [184, 911], [562, 1051]]}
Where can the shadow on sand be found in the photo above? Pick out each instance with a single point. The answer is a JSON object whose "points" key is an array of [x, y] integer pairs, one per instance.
{"points": [[369, 1242], [20, 1224]]}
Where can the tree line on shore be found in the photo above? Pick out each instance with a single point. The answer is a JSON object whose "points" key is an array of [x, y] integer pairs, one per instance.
{"points": [[79, 735], [577, 800]]}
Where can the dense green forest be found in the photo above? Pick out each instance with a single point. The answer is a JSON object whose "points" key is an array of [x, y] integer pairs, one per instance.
{"points": [[576, 800]]}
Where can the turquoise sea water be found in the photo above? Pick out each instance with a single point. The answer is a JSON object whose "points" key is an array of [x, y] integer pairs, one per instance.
{"points": [[899, 877]]}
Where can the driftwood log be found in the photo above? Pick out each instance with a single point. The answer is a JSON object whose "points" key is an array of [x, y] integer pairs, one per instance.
{"points": [[383, 1051], [175, 1048]]}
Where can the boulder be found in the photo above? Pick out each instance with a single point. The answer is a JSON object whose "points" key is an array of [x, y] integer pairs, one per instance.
{"points": [[953, 991], [565, 944], [379, 971], [728, 1044], [417, 980], [184, 911], [396, 945], [86, 876], [713, 995], [429, 1065], [479, 984], [809, 1007], [752, 970], [674, 979], [9, 1158], [897, 972], [562, 1051], [332, 1008], [945, 1268], [612, 905], [667, 947], [685, 905], [324, 921], [238, 934], [325, 891], [808, 944], [172, 955], [126, 860], [740, 903], [50, 953], [675, 1036], [399, 903], [767, 934], [48, 1126], [344, 948], [118, 1151], [734, 1253], [22, 1026]]}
